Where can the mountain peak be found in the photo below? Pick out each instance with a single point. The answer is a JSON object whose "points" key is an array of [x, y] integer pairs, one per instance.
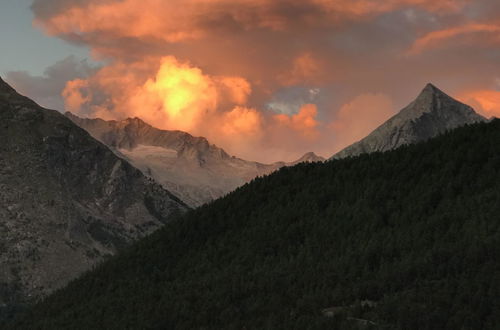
{"points": [[431, 88], [310, 157], [430, 91], [432, 113]]}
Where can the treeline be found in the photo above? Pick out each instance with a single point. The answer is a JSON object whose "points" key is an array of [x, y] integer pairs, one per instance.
{"points": [[408, 239]]}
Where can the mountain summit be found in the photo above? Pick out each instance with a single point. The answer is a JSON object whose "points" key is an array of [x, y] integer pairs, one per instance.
{"points": [[432, 113]]}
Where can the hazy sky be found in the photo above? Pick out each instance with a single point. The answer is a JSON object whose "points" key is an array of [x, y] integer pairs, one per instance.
{"points": [[265, 79], [25, 47]]}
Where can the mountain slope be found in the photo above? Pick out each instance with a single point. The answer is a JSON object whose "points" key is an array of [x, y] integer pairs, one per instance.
{"points": [[432, 113], [408, 239], [190, 167], [66, 201]]}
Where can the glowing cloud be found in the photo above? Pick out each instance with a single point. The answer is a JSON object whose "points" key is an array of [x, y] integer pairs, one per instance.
{"points": [[436, 38], [182, 20], [179, 96], [306, 69], [486, 102], [304, 122], [183, 91], [242, 121], [233, 71]]}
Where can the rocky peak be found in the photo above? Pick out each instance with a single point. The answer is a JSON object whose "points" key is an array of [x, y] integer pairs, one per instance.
{"points": [[433, 100], [432, 113]]}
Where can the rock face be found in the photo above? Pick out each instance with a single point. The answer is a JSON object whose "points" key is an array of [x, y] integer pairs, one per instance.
{"points": [[66, 200], [431, 114], [190, 167]]}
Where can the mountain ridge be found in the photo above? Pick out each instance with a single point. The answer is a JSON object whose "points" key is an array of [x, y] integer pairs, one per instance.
{"points": [[191, 167]]}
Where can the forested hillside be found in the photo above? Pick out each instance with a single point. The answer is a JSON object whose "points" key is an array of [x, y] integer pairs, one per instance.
{"points": [[407, 239]]}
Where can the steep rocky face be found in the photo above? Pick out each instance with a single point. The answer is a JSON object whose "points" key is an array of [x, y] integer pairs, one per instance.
{"points": [[188, 166], [66, 200], [432, 113]]}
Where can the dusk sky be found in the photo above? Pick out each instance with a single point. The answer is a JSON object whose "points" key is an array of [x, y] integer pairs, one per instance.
{"points": [[266, 80]]}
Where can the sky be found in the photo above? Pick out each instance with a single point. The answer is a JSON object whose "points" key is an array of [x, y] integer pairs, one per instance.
{"points": [[267, 80]]}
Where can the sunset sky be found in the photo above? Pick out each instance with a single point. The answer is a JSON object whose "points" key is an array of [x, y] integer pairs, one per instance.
{"points": [[266, 80]]}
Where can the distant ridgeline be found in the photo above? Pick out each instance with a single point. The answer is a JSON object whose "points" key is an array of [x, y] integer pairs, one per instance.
{"points": [[406, 239]]}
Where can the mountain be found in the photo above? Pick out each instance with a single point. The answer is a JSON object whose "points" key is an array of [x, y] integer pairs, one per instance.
{"points": [[407, 239], [66, 200], [430, 114], [309, 157], [190, 167]]}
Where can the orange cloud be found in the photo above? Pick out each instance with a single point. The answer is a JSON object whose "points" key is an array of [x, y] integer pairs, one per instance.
{"points": [[306, 69], [241, 54], [367, 7], [74, 98], [487, 102], [236, 88], [436, 38], [303, 122], [242, 121], [179, 96], [183, 93], [360, 117], [177, 21]]}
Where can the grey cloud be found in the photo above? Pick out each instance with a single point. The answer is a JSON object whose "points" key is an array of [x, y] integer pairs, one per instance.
{"points": [[46, 89]]}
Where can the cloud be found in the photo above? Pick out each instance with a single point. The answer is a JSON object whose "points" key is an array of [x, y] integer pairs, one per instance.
{"points": [[440, 37], [271, 79], [306, 69], [180, 96], [304, 122], [176, 20], [46, 89], [171, 93], [486, 102]]}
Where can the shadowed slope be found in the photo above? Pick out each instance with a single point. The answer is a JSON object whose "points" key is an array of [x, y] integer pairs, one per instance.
{"points": [[412, 233], [66, 201]]}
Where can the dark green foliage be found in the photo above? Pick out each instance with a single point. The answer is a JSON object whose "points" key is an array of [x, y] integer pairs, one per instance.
{"points": [[416, 231]]}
